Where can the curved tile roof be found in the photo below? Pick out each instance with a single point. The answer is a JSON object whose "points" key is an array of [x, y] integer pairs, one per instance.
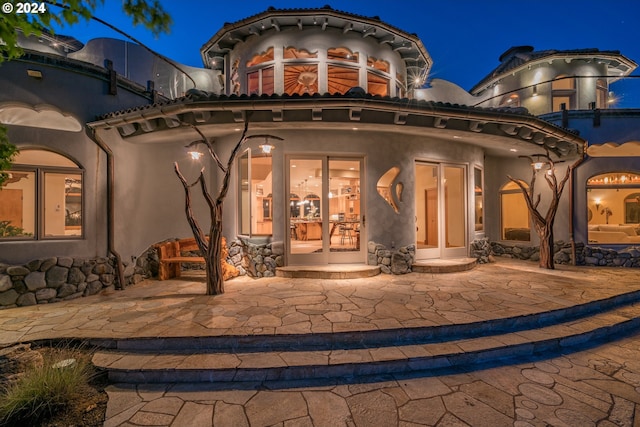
{"points": [[231, 33], [518, 56]]}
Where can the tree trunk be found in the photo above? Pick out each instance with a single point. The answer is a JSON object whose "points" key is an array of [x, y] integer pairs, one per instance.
{"points": [[215, 273], [546, 246]]}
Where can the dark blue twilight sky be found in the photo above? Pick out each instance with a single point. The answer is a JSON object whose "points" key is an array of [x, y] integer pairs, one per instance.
{"points": [[464, 37]]}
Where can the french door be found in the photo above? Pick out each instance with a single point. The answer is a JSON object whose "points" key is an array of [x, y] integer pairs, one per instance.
{"points": [[441, 210], [325, 221]]}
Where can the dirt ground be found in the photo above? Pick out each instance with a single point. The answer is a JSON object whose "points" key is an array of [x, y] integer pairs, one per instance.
{"points": [[90, 402]]}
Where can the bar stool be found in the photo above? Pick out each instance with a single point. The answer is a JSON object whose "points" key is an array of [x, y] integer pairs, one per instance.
{"points": [[345, 234]]}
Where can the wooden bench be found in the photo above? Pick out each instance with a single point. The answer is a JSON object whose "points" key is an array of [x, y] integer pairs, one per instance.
{"points": [[171, 258]]}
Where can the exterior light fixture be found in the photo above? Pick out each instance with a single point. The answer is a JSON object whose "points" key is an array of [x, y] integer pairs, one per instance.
{"points": [[192, 151], [537, 165], [36, 74], [598, 201], [267, 148]]}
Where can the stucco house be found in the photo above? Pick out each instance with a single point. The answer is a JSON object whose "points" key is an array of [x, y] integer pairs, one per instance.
{"points": [[364, 159]]}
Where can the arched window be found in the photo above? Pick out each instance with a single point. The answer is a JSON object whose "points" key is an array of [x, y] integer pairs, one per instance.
{"points": [[514, 214], [511, 100], [293, 53], [613, 208], [342, 54], [43, 197], [260, 73], [563, 90]]}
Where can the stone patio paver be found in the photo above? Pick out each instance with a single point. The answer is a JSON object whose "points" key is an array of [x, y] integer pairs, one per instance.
{"points": [[597, 386]]}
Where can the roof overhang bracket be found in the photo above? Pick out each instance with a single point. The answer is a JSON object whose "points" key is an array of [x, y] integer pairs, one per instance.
{"points": [[347, 28], [277, 115], [275, 24], [354, 114], [400, 118], [238, 116], [440, 122], [387, 39], [148, 125], [172, 121], [371, 31], [316, 114], [325, 24], [127, 129], [201, 116], [509, 129], [475, 126]]}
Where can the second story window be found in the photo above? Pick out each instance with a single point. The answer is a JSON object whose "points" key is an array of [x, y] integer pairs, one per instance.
{"points": [[342, 70], [563, 89], [260, 73], [602, 93], [377, 78]]}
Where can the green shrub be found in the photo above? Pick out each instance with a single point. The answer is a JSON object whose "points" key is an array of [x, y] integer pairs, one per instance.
{"points": [[8, 230], [43, 391]]}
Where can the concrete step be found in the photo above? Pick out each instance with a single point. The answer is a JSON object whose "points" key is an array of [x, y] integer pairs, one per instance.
{"points": [[438, 266], [261, 358], [331, 271]]}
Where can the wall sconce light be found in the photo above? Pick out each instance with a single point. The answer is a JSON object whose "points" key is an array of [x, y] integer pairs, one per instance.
{"points": [[535, 90], [36, 74], [192, 150], [267, 148], [597, 204]]}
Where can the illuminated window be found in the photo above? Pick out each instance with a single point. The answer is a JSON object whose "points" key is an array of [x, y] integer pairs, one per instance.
{"points": [[342, 54], [613, 208], [341, 79], [511, 100], [602, 93], [378, 64], [293, 53], [478, 185], [563, 90], [514, 214], [260, 81], [255, 202], [300, 79], [377, 85], [42, 199], [261, 58]]}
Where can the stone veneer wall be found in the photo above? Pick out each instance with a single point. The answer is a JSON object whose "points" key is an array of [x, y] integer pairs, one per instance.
{"points": [[483, 250], [391, 261], [55, 279], [252, 257]]}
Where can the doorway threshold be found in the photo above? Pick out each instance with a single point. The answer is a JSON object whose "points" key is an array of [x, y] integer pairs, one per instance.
{"points": [[448, 265], [331, 271]]}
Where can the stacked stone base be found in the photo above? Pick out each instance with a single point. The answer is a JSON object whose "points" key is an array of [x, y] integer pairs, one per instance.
{"points": [[49, 280], [391, 261], [629, 257]]}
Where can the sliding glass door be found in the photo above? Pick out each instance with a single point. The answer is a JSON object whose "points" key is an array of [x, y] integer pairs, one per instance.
{"points": [[325, 215]]}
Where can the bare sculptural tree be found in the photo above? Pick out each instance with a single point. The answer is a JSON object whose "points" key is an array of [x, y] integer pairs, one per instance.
{"points": [[543, 223], [211, 245]]}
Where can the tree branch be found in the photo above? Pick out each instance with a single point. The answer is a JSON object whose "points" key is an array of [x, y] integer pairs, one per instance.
{"points": [[200, 237], [225, 180]]}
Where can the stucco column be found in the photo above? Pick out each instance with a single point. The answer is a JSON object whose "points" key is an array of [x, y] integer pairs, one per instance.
{"points": [[278, 69]]}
